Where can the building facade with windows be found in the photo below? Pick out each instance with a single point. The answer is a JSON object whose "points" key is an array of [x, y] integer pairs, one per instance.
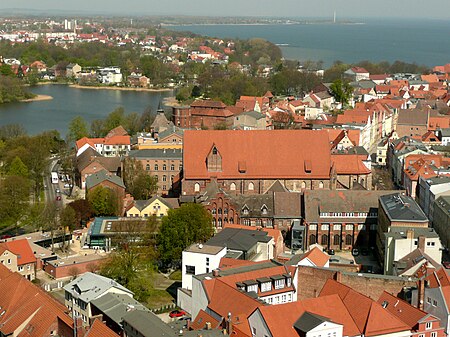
{"points": [[165, 164]]}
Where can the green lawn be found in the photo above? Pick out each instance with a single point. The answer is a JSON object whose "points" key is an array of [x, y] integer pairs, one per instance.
{"points": [[176, 275], [158, 298]]}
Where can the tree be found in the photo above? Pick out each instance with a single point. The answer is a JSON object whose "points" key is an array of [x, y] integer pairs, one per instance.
{"points": [[341, 91], [115, 119], [138, 181], [14, 198], [104, 201], [18, 168], [68, 219], [49, 220], [98, 128], [83, 210], [191, 223], [77, 129]]}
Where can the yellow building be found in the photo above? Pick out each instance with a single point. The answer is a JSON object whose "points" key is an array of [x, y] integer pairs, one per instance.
{"points": [[155, 206]]}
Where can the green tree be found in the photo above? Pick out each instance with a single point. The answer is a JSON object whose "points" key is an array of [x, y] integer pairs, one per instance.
{"points": [[14, 199], [191, 223], [6, 70], [115, 119], [18, 168], [104, 201], [341, 91], [82, 209], [77, 129], [68, 219], [144, 186]]}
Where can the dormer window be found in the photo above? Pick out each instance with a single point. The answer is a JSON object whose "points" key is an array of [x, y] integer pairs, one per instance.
{"points": [[214, 160], [264, 209], [245, 210], [279, 281]]}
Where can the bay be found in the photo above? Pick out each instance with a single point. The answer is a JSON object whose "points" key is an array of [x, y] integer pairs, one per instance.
{"points": [[68, 103], [425, 42]]}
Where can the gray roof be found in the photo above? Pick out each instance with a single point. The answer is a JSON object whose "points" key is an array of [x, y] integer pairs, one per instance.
{"points": [[156, 154], [90, 286], [101, 176], [401, 232], [309, 321], [171, 130], [445, 132], [413, 117], [444, 202], [438, 180], [161, 122], [255, 114], [238, 239], [148, 324], [399, 207], [115, 306]]}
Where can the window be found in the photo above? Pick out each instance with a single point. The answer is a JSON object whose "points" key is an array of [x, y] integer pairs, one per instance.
{"points": [[172, 167], [321, 184], [349, 240], [251, 187], [312, 239], [337, 227], [337, 240], [207, 261], [9, 261], [245, 210], [233, 187], [164, 167], [313, 227], [266, 286], [156, 167], [434, 303], [213, 211], [434, 334], [428, 325], [190, 270], [253, 328], [164, 178], [197, 187], [348, 227], [264, 210], [279, 284], [147, 167], [428, 300], [20, 268], [361, 227], [283, 298], [324, 227], [324, 240]]}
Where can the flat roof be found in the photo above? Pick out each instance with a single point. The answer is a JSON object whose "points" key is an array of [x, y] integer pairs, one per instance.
{"points": [[204, 249], [400, 207]]}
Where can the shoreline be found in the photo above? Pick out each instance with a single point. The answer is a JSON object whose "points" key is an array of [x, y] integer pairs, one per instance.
{"points": [[77, 86], [38, 98]]}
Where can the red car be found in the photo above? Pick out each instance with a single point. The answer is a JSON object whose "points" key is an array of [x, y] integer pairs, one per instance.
{"points": [[58, 198], [177, 313]]}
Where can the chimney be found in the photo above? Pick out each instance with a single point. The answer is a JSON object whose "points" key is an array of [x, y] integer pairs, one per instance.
{"points": [[410, 234], [215, 272], [421, 294], [229, 325], [208, 326], [338, 277], [421, 244]]}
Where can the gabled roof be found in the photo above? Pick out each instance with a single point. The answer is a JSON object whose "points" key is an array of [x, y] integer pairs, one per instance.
{"points": [[118, 131], [202, 318], [309, 321], [21, 248], [318, 257], [101, 176], [267, 154]]}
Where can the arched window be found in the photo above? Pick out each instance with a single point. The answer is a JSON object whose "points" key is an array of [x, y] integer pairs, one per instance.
{"points": [[312, 239], [219, 222], [251, 187], [164, 178], [233, 187], [214, 222], [349, 240], [213, 211], [172, 167], [337, 240], [219, 211], [147, 167], [225, 220], [225, 211], [324, 240], [303, 184], [321, 184], [164, 167], [156, 167], [197, 187]]}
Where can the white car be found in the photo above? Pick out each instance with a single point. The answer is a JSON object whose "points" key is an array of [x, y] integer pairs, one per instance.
{"points": [[66, 185]]}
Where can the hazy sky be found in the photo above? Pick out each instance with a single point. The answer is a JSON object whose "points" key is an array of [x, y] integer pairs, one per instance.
{"points": [[301, 8]]}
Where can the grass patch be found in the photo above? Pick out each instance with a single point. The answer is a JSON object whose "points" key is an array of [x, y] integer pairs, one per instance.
{"points": [[158, 298], [176, 275]]}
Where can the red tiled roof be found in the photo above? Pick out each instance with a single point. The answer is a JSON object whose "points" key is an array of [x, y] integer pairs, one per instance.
{"points": [[267, 153], [401, 309], [317, 256], [200, 321], [21, 248], [208, 104], [98, 329], [349, 164], [228, 262]]}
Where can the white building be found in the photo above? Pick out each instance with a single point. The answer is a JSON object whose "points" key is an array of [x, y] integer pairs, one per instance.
{"points": [[109, 75], [199, 259]]}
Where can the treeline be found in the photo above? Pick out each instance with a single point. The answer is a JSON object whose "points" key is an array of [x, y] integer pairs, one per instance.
{"points": [[12, 90]]}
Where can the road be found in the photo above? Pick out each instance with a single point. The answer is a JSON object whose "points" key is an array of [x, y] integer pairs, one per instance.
{"points": [[49, 188]]}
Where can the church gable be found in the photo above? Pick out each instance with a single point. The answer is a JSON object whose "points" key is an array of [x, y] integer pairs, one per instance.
{"points": [[214, 160]]}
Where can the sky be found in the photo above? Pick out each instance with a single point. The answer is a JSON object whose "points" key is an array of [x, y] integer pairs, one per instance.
{"points": [[439, 9]]}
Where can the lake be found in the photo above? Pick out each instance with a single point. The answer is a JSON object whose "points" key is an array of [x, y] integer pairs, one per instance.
{"points": [[68, 103], [421, 41]]}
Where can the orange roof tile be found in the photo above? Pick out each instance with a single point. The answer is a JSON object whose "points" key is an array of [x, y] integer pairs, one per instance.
{"points": [[202, 318], [98, 329], [267, 154], [349, 164], [317, 256], [22, 249]]}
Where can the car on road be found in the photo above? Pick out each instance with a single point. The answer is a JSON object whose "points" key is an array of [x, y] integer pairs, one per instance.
{"points": [[66, 185], [57, 190], [355, 251], [58, 198], [177, 313]]}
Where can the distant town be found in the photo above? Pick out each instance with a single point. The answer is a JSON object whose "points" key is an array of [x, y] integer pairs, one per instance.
{"points": [[268, 197]]}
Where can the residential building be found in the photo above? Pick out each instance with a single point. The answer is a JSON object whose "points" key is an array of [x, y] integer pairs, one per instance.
{"points": [[357, 74], [401, 241], [250, 120], [199, 259], [90, 162], [17, 256], [109, 75], [80, 293], [429, 190], [107, 180], [397, 210], [441, 219], [315, 257], [115, 144], [165, 164], [156, 206], [73, 70], [27, 310], [412, 122]]}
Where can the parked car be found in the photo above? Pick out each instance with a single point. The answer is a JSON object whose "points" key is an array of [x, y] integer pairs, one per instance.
{"points": [[331, 252], [177, 313], [58, 190], [355, 251], [66, 185], [58, 198]]}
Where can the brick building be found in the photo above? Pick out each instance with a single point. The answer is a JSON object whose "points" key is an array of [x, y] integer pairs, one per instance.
{"points": [[204, 114], [249, 162], [165, 164]]}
